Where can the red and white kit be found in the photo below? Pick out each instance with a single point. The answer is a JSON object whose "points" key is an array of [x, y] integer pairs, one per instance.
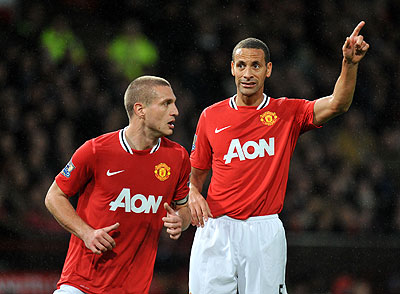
{"points": [[243, 248], [249, 150], [118, 184]]}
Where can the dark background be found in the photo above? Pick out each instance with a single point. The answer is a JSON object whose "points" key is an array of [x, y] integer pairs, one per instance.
{"points": [[342, 212]]}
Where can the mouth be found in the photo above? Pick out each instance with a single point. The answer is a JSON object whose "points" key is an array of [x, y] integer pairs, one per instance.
{"points": [[248, 84], [171, 124]]}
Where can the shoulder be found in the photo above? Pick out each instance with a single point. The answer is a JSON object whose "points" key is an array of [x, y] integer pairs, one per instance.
{"points": [[217, 108], [173, 147], [289, 101], [105, 140], [106, 137]]}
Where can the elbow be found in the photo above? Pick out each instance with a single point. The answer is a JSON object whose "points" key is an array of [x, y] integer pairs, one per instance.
{"points": [[47, 201], [340, 103], [339, 108]]}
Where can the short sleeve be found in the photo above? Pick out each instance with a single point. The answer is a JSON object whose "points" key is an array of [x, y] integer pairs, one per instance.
{"points": [[201, 155], [305, 115], [78, 170]]}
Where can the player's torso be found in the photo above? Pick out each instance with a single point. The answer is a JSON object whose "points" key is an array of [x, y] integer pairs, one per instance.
{"points": [[248, 135], [130, 187], [251, 150]]}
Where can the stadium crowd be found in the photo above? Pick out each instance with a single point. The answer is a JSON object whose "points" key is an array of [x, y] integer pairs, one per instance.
{"points": [[62, 82]]}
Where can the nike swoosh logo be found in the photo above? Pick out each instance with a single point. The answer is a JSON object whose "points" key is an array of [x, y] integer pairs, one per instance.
{"points": [[114, 173], [220, 130]]}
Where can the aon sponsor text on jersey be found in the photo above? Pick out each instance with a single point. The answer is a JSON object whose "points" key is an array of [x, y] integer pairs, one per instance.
{"points": [[244, 151]]}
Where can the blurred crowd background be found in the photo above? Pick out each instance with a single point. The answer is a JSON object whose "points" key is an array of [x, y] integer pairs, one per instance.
{"points": [[64, 67]]}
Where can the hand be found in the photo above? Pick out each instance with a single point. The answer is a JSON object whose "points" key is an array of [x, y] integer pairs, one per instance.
{"points": [[199, 209], [355, 47], [173, 222], [99, 240]]}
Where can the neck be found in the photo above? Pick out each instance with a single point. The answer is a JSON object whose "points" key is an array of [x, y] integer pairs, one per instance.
{"points": [[138, 139], [253, 100]]}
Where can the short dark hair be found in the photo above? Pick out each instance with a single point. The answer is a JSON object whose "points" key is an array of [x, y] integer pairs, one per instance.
{"points": [[253, 43], [142, 90]]}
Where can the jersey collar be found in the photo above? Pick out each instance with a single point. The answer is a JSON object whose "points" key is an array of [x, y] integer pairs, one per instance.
{"points": [[264, 103], [124, 142]]}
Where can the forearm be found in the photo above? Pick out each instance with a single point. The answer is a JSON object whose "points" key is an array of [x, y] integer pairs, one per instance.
{"points": [[62, 210], [343, 92], [197, 179], [184, 213], [339, 102]]}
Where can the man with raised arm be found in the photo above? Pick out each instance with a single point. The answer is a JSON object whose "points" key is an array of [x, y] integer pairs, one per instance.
{"points": [[247, 141]]}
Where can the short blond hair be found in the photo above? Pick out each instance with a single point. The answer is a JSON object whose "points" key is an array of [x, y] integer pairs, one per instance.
{"points": [[142, 90]]}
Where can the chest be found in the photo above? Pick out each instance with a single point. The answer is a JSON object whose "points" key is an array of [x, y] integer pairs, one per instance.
{"points": [[251, 134], [140, 175]]}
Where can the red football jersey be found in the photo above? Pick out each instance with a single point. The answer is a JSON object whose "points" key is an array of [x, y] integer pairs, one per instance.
{"points": [[118, 184], [248, 149]]}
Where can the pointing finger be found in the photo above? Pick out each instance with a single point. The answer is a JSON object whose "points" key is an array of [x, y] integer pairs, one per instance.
{"points": [[357, 29]]}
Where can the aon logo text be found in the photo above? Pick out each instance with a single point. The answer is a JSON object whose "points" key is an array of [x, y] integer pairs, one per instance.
{"points": [[138, 203], [250, 149]]}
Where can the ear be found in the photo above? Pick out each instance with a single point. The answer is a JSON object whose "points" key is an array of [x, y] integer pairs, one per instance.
{"points": [[232, 67], [269, 69], [139, 109]]}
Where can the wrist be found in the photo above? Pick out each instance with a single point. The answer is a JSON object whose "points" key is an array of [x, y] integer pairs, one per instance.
{"points": [[184, 214], [84, 232], [349, 62]]}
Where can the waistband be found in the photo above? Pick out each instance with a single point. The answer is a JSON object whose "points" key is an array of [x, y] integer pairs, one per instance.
{"points": [[250, 219]]}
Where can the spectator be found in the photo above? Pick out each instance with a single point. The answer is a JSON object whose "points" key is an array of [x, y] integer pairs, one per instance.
{"points": [[132, 52]]}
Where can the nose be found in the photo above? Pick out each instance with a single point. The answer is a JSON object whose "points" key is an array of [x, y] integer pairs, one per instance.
{"points": [[174, 110], [248, 74]]}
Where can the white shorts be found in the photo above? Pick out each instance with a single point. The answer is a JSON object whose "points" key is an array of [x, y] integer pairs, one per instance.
{"points": [[232, 256], [67, 289]]}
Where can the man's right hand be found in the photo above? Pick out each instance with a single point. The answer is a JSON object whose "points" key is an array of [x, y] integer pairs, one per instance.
{"points": [[200, 212], [99, 240]]}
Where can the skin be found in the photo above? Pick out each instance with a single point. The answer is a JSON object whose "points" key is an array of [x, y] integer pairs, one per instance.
{"points": [[250, 71], [150, 122], [146, 126]]}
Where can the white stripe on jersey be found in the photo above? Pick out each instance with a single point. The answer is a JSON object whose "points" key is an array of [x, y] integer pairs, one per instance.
{"points": [[124, 142], [156, 147], [125, 145], [264, 103]]}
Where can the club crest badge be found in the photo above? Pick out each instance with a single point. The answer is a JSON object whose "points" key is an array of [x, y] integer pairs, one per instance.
{"points": [[268, 118], [162, 171]]}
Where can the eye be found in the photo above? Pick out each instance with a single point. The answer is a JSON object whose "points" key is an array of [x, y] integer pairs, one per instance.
{"points": [[166, 103], [257, 66]]}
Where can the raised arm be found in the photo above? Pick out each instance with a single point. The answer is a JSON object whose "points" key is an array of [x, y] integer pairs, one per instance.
{"points": [[354, 49], [198, 205], [59, 206]]}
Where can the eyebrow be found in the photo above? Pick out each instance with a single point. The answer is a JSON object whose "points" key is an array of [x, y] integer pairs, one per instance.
{"points": [[252, 63], [167, 99]]}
